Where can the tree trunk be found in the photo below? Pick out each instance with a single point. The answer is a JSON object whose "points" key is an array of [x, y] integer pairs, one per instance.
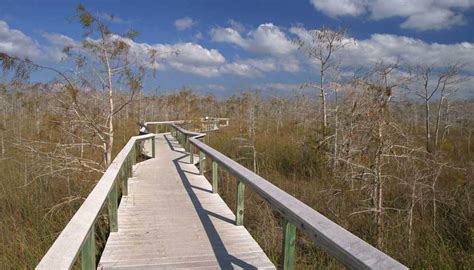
{"points": [[427, 125], [3, 146], [379, 189], [438, 119], [110, 141], [410, 216], [336, 124], [323, 99]]}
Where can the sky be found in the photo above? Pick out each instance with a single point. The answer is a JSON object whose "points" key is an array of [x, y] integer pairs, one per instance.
{"points": [[230, 46]]}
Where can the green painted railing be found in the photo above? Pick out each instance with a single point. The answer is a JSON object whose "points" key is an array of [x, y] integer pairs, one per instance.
{"points": [[78, 237], [337, 241]]}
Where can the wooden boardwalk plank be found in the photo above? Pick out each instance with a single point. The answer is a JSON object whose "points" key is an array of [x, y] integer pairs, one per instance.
{"points": [[172, 220]]}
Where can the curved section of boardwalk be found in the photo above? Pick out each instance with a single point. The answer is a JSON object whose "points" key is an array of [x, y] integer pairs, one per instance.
{"points": [[171, 220]]}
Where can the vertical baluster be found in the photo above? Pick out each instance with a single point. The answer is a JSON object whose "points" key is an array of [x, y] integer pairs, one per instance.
{"points": [[153, 154], [215, 177], [239, 209], [88, 251], [185, 145], [129, 165], [202, 162], [289, 239], [134, 154], [113, 208], [191, 153], [123, 177]]}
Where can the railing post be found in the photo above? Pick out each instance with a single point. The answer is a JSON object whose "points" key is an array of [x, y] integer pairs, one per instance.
{"points": [[134, 154], [289, 241], [88, 251], [215, 177], [201, 163], [123, 177], [191, 153], [113, 208], [153, 154], [185, 144], [129, 165], [239, 209]]}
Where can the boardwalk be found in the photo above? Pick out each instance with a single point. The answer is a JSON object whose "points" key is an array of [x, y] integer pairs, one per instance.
{"points": [[171, 219]]}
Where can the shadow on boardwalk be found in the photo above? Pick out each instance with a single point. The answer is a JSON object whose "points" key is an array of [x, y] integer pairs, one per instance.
{"points": [[225, 260]]}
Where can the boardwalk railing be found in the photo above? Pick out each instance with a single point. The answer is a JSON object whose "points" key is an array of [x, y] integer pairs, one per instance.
{"points": [[334, 239], [78, 237]]}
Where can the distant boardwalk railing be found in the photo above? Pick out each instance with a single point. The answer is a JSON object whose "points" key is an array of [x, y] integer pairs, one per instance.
{"points": [[78, 237], [334, 239]]}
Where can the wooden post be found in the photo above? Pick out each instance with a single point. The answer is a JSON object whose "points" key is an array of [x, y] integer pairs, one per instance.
{"points": [[201, 162], [129, 165], [113, 208], [239, 209], [289, 241], [88, 251], [191, 154], [153, 154], [123, 177], [215, 177], [185, 144], [134, 154]]}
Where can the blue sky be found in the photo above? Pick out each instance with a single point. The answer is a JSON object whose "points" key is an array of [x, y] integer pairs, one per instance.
{"points": [[227, 46]]}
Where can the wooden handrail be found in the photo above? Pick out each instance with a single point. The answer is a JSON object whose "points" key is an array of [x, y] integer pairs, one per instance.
{"points": [[334, 239], [78, 236]]}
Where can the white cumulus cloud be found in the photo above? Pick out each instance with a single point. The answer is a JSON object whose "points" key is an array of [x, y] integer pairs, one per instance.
{"points": [[184, 23], [15, 43], [418, 14], [336, 8], [266, 38], [392, 48]]}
